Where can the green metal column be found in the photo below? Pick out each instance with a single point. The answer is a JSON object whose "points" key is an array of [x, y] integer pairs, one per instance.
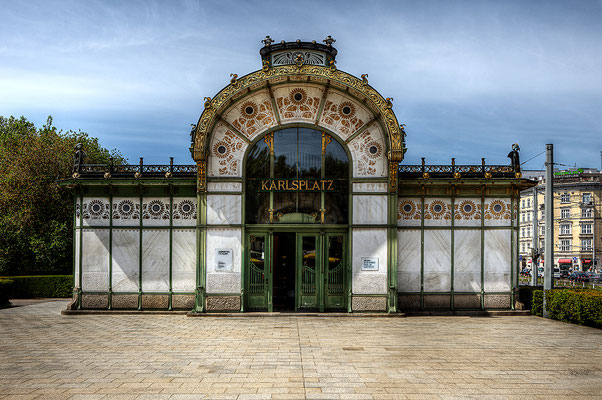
{"points": [[422, 251], [81, 246], [110, 247], [140, 252], [482, 248], [201, 251], [453, 215], [170, 246], [392, 250]]}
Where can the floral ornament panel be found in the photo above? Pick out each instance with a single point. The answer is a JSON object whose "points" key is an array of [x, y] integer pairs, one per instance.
{"points": [[126, 209], [298, 103], [227, 151], [437, 210], [184, 209], [497, 212], [467, 209], [155, 210], [96, 209], [408, 212], [368, 152], [343, 115], [252, 115]]}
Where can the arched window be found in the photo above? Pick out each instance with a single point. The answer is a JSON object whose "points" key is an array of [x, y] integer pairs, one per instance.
{"points": [[297, 175]]}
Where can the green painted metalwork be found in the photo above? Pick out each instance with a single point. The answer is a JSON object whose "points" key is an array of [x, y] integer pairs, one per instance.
{"points": [[258, 272], [309, 267], [452, 240], [482, 252], [169, 307], [81, 248], [422, 252], [335, 267], [110, 305]]}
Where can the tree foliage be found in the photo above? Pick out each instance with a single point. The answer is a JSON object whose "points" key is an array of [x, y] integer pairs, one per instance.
{"points": [[36, 216]]}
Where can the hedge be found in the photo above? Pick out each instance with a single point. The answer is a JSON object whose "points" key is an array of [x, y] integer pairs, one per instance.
{"points": [[6, 287], [577, 306], [24, 287]]}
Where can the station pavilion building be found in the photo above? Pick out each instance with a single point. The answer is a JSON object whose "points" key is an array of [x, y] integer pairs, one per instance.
{"points": [[298, 199]]}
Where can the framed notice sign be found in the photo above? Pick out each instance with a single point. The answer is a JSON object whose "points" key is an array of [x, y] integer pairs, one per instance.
{"points": [[223, 260], [369, 263]]}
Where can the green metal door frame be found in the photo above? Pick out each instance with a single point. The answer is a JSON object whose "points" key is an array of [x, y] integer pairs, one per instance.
{"points": [[321, 294]]}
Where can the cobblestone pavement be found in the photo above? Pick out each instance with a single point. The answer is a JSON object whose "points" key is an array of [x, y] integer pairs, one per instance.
{"points": [[44, 355]]}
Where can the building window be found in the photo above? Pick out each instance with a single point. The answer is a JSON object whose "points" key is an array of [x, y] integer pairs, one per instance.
{"points": [[586, 245], [587, 198], [586, 228], [565, 198], [528, 202], [542, 230], [522, 247], [586, 213], [522, 204], [522, 232], [565, 229], [565, 245], [565, 213]]}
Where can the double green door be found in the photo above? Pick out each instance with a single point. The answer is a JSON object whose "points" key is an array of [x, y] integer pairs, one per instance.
{"points": [[287, 271]]}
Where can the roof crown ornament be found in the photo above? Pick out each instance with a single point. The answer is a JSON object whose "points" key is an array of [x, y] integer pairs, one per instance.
{"points": [[329, 40], [267, 41]]}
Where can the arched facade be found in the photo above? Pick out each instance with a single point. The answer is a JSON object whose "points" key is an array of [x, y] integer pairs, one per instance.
{"points": [[260, 107]]}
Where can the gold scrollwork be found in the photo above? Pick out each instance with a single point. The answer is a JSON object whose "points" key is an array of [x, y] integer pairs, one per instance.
{"points": [[201, 176], [393, 168], [326, 139], [269, 140]]}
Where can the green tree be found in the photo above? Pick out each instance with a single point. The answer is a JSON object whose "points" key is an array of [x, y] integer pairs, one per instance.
{"points": [[36, 216]]}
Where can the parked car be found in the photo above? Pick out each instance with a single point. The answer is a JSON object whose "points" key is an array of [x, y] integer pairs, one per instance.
{"points": [[579, 277], [525, 272]]}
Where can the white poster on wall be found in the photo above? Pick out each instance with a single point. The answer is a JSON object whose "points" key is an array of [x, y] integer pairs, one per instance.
{"points": [[223, 260], [369, 263]]}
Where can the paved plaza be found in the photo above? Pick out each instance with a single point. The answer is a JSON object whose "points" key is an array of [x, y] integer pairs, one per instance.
{"points": [[44, 355]]}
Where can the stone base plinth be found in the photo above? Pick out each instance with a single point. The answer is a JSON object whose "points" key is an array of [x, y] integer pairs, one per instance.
{"points": [[223, 303], [359, 304]]}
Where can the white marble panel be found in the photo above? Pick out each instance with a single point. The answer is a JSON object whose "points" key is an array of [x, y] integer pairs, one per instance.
{"points": [[223, 282], [467, 260], [126, 255], [126, 211], [76, 255], [224, 186], [369, 210], [224, 209], [408, 261], [368, 151], [184, 211], [96, 211], [515, 259], [155, 260], [370, 187], [369, 243], [95, 260], [497, 260], [334, 118], [226, 151], [409, 212], [254, 121], [497, 212], [467, 212], [184, 260], [437, 212], [437, 260], [155, 211], [304, 108]]}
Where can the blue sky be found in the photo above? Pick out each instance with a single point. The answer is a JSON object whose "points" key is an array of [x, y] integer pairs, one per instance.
{"points": [[468, 78]]}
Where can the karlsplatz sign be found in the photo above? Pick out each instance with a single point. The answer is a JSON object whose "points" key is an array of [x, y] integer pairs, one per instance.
{"points": [[294, 185]]}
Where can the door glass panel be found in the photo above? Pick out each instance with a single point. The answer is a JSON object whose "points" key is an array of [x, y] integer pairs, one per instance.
{"points": [[335, 265], [308, 265], [257, 264]]}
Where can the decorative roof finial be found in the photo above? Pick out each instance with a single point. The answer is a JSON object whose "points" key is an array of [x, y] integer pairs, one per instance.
{"points": [[329, 41], [267, 41]]}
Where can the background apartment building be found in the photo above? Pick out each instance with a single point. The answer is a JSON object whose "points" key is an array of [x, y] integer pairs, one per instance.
{"points": [[577, 223]]}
